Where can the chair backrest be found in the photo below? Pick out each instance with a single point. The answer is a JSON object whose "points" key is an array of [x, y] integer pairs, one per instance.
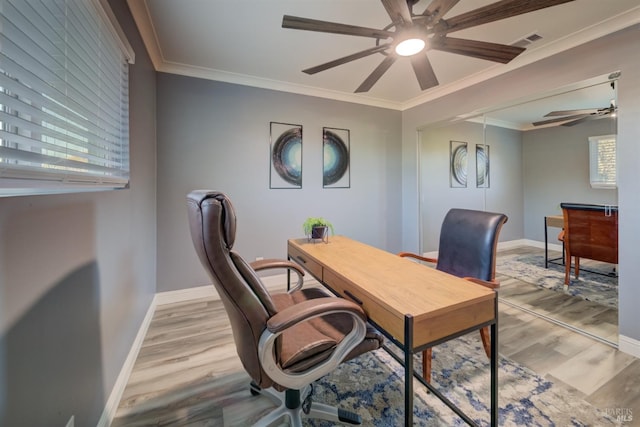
{"points": [[212, 222], [591, 231], [468, 241]]}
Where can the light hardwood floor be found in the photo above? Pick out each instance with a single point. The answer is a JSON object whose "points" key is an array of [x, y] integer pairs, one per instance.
{"points": [[187, 372], [589, 317]]}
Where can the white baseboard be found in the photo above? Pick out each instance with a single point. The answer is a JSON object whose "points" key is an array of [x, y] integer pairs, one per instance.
{"points": [[629, 345], [111, 407], [181, 295], [529, 242], [510, 245], [273, 283]]}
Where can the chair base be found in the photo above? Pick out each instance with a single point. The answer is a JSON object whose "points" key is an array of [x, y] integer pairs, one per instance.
{"points": [[290, 405]]}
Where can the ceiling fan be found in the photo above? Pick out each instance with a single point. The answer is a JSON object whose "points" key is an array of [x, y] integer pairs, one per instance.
{"points": [[420, 32], [574, 117]]}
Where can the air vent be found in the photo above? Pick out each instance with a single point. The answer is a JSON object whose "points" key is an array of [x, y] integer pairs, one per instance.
{"points": [[526, 41]]}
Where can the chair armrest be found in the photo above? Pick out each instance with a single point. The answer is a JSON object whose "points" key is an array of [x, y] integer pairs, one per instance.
{"points": [[493, 284], [310, 309], [303, 312], [418, 257], [272, 264]]}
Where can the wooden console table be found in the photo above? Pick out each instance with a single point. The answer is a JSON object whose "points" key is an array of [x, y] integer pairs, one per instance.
{"points": [[414, 306]]}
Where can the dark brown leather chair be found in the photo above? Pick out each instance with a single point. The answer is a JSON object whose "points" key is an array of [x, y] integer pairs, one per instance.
{"points": [[468, 241], [285, 341]]}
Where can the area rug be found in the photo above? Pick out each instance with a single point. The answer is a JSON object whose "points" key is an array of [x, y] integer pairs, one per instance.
{"points": [[373, 386], [599, 288]]}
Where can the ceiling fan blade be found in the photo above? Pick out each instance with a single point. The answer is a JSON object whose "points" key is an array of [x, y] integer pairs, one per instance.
{"points": [[376, 74], [560, 119], [298, 23], [494, 12], [478, 49], [572, 112], [346, 59], [584, 119], [438, 8], [424, 72], [398, 11]]}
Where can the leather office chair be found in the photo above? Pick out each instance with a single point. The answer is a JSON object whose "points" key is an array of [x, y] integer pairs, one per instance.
{"points": [[468, 241], [285, 341]]}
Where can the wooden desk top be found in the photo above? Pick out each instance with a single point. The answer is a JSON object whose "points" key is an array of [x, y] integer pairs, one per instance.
{"points": [[555, 221], [392, 287]]}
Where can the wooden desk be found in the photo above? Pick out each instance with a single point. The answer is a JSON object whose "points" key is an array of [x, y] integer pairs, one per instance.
{"points": [[413, 305], [556, 221]]}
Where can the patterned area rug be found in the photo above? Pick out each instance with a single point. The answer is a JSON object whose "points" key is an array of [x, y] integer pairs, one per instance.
{"points": [[602, 289], [373, 386]]}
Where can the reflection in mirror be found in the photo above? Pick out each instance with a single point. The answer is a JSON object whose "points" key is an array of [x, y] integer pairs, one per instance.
{"points": [[561, 165], [524, 160]]}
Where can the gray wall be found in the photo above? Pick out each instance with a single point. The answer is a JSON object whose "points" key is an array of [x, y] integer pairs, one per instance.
{"points": [[505, 190], [77, 275], [532, 172], [556, 169], [615, 52], [215, 135]]}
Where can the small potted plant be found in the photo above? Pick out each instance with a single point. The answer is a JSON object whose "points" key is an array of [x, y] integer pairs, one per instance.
{"points": [[317, 228]]}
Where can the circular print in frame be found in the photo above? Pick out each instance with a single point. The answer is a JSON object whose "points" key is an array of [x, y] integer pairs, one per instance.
{"points": [[482, 166], [459, 165], [336, 158], [287, 156]]}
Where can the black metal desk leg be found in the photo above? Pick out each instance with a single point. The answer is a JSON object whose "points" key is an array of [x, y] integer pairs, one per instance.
{"points": [[494, 368], [546, 249], [408, 370]]}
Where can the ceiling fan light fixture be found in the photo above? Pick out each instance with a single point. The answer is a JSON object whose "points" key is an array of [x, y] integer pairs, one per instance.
{"points": [[410, 47]]}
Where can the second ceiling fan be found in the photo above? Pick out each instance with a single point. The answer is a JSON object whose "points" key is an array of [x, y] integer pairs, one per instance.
{"points": [[575, 117], [427, 30]]}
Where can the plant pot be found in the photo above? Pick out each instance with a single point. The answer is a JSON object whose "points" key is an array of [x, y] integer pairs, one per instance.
{"points": [[320, 232]]}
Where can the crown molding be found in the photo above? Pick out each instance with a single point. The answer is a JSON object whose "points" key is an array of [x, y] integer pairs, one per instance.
{"points": [[140, 11], [260, 82]]}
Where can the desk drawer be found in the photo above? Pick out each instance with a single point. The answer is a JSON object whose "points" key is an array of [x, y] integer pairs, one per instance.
{"points": [[308, 264], [373, 309]]}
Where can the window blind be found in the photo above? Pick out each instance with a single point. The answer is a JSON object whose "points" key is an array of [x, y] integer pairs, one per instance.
{"points": [[64, 106], [602, 161]]}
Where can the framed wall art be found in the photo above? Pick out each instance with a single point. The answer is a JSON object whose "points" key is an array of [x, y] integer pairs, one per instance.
{"points": [[457, 164], [335, 158], [285, 155], [482, 166]]}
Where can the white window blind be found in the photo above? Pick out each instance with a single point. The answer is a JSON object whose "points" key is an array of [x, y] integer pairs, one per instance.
{"points": [[64, 107], [602, 161]]}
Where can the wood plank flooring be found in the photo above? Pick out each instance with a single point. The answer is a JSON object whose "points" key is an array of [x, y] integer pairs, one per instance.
{"points": [[592, 318], [188, 374]]}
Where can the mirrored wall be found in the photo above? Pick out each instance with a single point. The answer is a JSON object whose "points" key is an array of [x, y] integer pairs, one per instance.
{"points": [[524, 160]]}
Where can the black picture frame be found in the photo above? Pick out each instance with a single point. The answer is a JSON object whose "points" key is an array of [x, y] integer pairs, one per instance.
{"points": [[458, 164], [336, 158], [482, 166], [285, 155]]}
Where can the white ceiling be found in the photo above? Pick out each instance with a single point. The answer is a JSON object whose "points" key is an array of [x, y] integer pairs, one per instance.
{"points": [[241, 41]]}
